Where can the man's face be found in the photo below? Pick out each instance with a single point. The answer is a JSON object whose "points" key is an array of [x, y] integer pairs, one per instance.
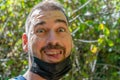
{"points": [[49, 37]]}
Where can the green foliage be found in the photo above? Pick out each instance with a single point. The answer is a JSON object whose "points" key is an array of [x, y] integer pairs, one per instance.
{"points": [[95, 27]]}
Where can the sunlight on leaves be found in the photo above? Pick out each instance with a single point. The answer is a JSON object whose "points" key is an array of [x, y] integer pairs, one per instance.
{"points": [[93, 49], [101, 26]]}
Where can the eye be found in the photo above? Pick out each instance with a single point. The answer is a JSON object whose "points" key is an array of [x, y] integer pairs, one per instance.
{"points": [[61, 30], [40, 31]]}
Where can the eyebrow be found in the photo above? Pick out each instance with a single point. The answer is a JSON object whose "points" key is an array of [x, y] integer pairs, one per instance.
{"points": [[40, 23], [56, 21], [60, 20]]}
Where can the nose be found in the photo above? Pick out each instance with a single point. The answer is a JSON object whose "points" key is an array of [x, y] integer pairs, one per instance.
{"points": [[52, 38]]}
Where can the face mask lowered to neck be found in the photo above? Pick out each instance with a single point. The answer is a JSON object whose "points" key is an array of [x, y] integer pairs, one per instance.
{"points": [[51, 71]]}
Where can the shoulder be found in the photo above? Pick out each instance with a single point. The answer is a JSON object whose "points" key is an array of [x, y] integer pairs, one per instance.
{"points": [[18, 78]]}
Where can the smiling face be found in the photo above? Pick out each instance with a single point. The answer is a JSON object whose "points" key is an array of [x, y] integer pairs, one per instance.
{"points": [[49, 38]]}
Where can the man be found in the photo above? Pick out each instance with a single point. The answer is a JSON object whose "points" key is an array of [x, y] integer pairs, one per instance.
{"points": [[48, 42]]}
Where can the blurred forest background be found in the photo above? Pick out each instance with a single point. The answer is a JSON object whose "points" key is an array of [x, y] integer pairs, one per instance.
{"points": [[95, 27]]}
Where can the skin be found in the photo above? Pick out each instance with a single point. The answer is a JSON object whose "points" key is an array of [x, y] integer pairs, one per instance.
{"points": [[48, 27]]}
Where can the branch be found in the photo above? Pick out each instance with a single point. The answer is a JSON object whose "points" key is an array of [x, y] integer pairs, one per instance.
{"points": [[73, 33], [87, 41], [109, 65], [4, 60], [71, 20], [93, 65], [81, 7]]}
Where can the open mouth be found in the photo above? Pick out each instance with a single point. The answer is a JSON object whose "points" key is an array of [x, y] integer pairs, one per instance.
{"points": [[53, 52]]}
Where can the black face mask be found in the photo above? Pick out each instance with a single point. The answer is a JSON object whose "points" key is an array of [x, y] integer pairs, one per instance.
{"points": [[51, 71]]}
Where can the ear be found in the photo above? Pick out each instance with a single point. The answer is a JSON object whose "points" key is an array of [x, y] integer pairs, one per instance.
{"points": [[25, 42]]}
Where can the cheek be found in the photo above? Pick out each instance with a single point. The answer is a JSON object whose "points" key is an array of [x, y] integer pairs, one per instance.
{"points": [[68, 45], [37, 43]]}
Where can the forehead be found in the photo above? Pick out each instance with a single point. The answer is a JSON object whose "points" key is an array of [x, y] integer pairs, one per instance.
{"points": [[37, 15]]}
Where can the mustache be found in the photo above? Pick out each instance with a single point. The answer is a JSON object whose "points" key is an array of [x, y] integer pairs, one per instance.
{"points": [[51, 46]]}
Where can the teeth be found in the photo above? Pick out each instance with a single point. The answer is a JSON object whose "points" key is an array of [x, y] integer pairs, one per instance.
{"points": [[51, 52]]}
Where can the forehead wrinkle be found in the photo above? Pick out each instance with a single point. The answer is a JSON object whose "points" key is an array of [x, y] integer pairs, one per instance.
{"points": [[38, 15], [40, 23], [36, 20]]}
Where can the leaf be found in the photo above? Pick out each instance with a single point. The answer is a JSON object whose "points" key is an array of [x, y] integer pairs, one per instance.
{"points": [[93, 49], [2, 7], [118, 40], [106, 32], [101, 26], [100, 40], [110, 42]]}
